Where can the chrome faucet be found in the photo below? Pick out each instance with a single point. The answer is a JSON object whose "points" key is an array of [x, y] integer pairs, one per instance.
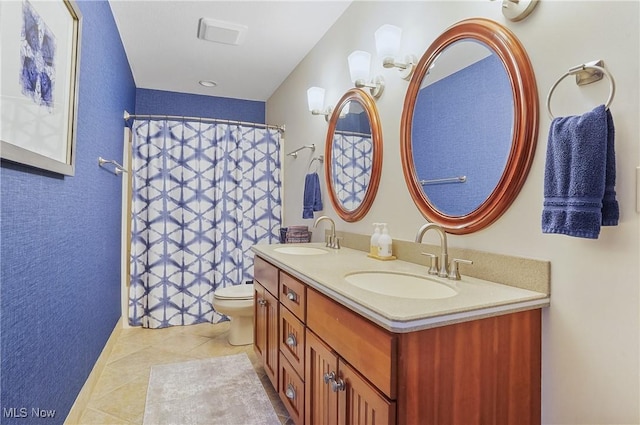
{"points": [[332, 241], [443, 268]]}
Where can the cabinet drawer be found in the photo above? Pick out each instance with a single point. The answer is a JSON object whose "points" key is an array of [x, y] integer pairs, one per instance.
{"points": [[291, 391], [368, 348], [292, 340], [266, 274], [293, 295]]}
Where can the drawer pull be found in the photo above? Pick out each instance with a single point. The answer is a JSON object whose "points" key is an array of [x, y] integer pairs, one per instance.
{"points": [[291, 340], [292, 296], [338, 385], [262, 302], [290, 392], [329, 377]]}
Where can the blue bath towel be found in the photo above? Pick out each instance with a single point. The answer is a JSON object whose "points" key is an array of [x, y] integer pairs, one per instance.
{"points": [[580, 173], [311, 200]]}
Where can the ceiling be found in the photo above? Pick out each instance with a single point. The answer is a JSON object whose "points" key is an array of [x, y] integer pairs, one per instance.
{"points": [[160, 40]]}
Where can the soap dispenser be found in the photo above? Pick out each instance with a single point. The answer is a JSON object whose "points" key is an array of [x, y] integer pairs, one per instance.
{"points": [[384, 243], [373, 247]]}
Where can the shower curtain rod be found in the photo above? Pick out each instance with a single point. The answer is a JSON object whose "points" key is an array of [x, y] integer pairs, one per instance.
{"points": [[128, 116]]}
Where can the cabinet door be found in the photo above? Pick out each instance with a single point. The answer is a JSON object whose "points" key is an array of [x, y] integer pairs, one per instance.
{"points": [[359, 402], [259, 321], [266, 331], [321, 402], [291, 391], [271, 355]]}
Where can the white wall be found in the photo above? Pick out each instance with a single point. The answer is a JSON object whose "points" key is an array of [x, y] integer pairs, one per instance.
{"points": [[591, 331]]}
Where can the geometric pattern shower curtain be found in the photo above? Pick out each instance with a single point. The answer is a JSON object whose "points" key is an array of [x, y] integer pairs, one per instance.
{"points": [[352, 159], [203, 194]]}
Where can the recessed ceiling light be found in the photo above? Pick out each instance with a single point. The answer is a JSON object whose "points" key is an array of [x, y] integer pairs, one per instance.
{"points": [[207, 83]]}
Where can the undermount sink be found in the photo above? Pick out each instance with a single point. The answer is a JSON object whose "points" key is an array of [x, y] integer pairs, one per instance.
{"points": [[300, 250], [401, 285]]}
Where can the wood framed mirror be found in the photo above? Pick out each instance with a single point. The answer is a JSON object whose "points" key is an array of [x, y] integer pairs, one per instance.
{"points": [[469, 125], [353, 155]]}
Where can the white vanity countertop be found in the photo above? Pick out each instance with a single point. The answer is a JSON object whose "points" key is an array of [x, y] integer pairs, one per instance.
{"points": [[326, 273]]}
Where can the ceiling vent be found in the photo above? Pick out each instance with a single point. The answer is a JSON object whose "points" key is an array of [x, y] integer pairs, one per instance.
{"points": [[221, 32]]}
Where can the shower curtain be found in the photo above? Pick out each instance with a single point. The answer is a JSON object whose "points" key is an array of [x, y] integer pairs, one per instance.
{"points": [[351, 157], [203, 194]]}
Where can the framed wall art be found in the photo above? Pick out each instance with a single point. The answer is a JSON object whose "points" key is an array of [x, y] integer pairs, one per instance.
{"points": [[40, 53]]}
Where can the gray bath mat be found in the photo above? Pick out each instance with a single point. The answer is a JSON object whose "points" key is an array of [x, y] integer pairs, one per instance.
{"points": [[221, 390]]}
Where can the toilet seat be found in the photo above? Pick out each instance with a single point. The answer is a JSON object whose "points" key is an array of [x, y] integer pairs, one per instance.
{"points": [[235, 292]]}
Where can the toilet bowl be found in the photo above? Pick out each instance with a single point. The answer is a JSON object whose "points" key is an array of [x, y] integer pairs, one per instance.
{"points": [[236, 302]]}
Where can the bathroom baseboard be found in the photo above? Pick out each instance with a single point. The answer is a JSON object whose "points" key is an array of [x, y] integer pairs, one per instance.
{"points": [[82, 400]]}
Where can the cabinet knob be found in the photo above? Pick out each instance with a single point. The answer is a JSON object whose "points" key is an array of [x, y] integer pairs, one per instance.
{"points": [[292, 296], [291, 340], [262, 302], [329, 377], [338, 385], [290, 392]]}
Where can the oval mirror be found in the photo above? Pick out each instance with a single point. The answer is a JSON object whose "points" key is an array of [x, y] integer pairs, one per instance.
{"points": [[354, 155], [469, 125]]}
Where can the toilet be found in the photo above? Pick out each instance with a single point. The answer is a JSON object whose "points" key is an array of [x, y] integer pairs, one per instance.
{"points": [[236, 302]]}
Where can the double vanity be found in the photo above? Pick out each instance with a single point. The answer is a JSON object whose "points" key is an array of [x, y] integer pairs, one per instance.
{"points": [[346, 339]]}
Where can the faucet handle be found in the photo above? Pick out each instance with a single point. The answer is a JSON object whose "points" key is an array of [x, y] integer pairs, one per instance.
{"points": [[329, 241], [433, 268], [454, 274]]}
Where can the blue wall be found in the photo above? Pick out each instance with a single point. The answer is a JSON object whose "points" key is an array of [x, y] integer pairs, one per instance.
{"points": [[60, 291], [355, 122], [476, 95], [157, 102]]}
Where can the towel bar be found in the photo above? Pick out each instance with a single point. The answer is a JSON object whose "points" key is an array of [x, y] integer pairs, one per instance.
{"points": [[458, 179], [118, 169], [295, 152], [586, 73]]}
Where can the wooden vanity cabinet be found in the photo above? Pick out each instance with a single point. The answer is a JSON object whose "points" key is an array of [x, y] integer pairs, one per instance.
{"points": [[484, 371], [266, 318]]}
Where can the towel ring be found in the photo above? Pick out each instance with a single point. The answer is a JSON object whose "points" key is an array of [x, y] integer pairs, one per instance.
{"points": [[320, 160], [577, 69]]}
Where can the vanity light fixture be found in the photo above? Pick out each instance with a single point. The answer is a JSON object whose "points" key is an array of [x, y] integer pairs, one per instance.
{"points": [[359, 65], [388, 47], [315, 98], [517, 10]]}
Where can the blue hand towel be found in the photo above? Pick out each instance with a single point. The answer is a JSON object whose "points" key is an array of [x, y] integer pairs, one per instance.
{"points": [[579, 179], [312, 200]]}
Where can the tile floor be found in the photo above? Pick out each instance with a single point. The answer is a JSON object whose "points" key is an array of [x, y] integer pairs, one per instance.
{"points": [[120, 393]]}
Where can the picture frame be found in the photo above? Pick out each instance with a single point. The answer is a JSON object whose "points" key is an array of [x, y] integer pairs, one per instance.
{"points": [[40, 56]]}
